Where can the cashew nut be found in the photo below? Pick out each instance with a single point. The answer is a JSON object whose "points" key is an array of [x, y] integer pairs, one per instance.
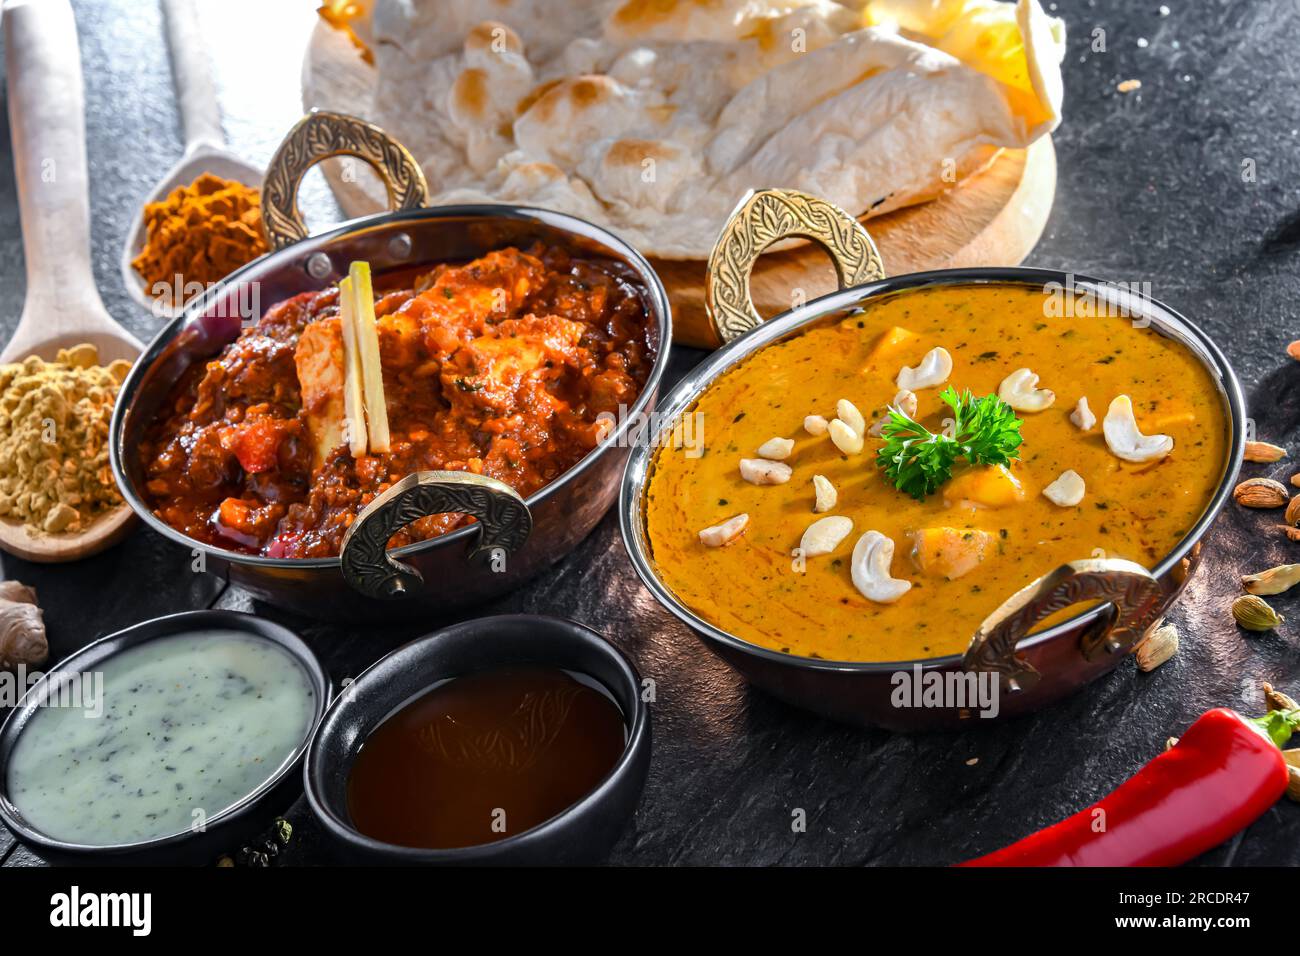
{"points": [[815, 425], [1082, 415], [824, 535], [933, 370], [848, 413], [845, 438], [1124, 439], [760, 471], [1066, 491], [1020, 390], [826, 494], [905, 402], [872, 556], [776, 449], [725, 533]]}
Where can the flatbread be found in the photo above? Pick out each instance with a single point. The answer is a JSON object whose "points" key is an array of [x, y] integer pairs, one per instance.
{"points": [[653, 117]]}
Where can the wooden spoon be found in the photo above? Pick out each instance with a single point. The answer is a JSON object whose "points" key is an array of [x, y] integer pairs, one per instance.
{"points": [[63, 307], [205, 151]]}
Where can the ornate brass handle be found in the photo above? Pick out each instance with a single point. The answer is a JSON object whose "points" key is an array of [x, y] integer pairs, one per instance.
{"points": [[316, 137], [766, 217], [503, 518], [1135, 593]]}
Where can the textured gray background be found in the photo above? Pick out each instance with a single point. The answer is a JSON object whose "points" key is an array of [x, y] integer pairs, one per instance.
{"points": [[1151, 190]]}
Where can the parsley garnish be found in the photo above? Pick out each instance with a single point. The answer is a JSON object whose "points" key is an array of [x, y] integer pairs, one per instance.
{"points": [[917, 461]]}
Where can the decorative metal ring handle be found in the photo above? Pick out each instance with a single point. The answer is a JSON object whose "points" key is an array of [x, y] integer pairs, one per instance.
{"points": [[316, 137], [1135, 593], [503, 518], [768, 216]]}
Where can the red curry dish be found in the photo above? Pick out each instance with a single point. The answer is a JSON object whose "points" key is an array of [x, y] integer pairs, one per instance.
{"points": [[500, 367]]}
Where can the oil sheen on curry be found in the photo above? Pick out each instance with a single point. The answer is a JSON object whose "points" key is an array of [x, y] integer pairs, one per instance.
{"points": [[508, 366], [729, 510]]}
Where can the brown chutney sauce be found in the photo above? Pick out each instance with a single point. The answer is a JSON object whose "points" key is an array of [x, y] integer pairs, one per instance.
{"points": [[484, 757]]}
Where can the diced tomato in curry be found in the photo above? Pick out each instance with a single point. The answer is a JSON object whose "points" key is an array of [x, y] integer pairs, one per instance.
{"points": [[500, 367]]}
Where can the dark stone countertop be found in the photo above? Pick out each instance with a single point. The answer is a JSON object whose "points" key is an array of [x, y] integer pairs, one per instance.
{"points": [[1151, 190]]}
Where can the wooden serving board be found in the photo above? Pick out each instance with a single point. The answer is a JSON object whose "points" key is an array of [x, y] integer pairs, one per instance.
{"points": [[992, 219]]}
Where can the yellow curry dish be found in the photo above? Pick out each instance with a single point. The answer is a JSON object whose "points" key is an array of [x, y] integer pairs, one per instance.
{"points": [[874, 486]]}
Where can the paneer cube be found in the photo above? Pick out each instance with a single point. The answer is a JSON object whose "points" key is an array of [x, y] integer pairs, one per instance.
{"points": [[319, 361], [950, 552], [884, 355], [497, 375], [985, 486]]}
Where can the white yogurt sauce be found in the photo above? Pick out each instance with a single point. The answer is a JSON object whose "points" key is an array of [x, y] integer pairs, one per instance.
{"points": [[190, 724]]}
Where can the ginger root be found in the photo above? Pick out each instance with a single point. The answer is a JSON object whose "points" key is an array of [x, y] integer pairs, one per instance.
{"points": [[22, 627]]}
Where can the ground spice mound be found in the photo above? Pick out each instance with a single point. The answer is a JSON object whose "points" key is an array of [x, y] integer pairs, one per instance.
{"points": [[201, 232], [54, 417]]}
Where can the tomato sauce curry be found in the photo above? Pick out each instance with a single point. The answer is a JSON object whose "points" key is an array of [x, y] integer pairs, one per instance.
{"points": [[509, 366]]}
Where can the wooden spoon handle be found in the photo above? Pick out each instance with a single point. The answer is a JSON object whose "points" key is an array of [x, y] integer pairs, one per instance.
{"points": [[196, 93], [47, 121]]}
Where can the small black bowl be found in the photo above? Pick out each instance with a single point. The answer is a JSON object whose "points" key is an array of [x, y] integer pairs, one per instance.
{"points": [[224, 831], [584, 833]]}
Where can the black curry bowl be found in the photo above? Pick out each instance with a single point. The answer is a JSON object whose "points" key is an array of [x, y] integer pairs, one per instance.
{"points": [[581, 834], [224, 832]]}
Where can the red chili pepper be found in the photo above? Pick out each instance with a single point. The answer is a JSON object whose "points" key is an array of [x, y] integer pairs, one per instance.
{"points": [[1218, 779]]}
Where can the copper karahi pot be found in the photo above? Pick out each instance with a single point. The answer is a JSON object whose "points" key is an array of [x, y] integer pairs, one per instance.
{"points": [[512, 538], [1030, 670]]}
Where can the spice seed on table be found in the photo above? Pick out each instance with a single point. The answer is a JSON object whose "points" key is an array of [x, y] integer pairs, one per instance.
{"points": [[1261, 493], [1278, 700], [1262, 451], [1292, 515], [1254, 613], [1157, 647], [1273, 581]]}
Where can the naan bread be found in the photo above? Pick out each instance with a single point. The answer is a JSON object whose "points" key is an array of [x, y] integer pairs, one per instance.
{"points": [[653, 117]]}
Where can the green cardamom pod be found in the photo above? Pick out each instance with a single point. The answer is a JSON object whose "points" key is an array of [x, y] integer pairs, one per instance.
{"points": [[1254, 614]]}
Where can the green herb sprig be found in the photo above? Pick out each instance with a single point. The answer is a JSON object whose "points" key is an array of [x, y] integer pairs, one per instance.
{"points": [[917, 461]]}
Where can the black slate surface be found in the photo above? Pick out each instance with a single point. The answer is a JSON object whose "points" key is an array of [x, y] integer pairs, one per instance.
{"points": [[1191, 184]]}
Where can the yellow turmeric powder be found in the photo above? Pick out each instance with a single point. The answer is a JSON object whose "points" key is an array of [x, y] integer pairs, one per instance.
{"points": [[201, 232]]}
